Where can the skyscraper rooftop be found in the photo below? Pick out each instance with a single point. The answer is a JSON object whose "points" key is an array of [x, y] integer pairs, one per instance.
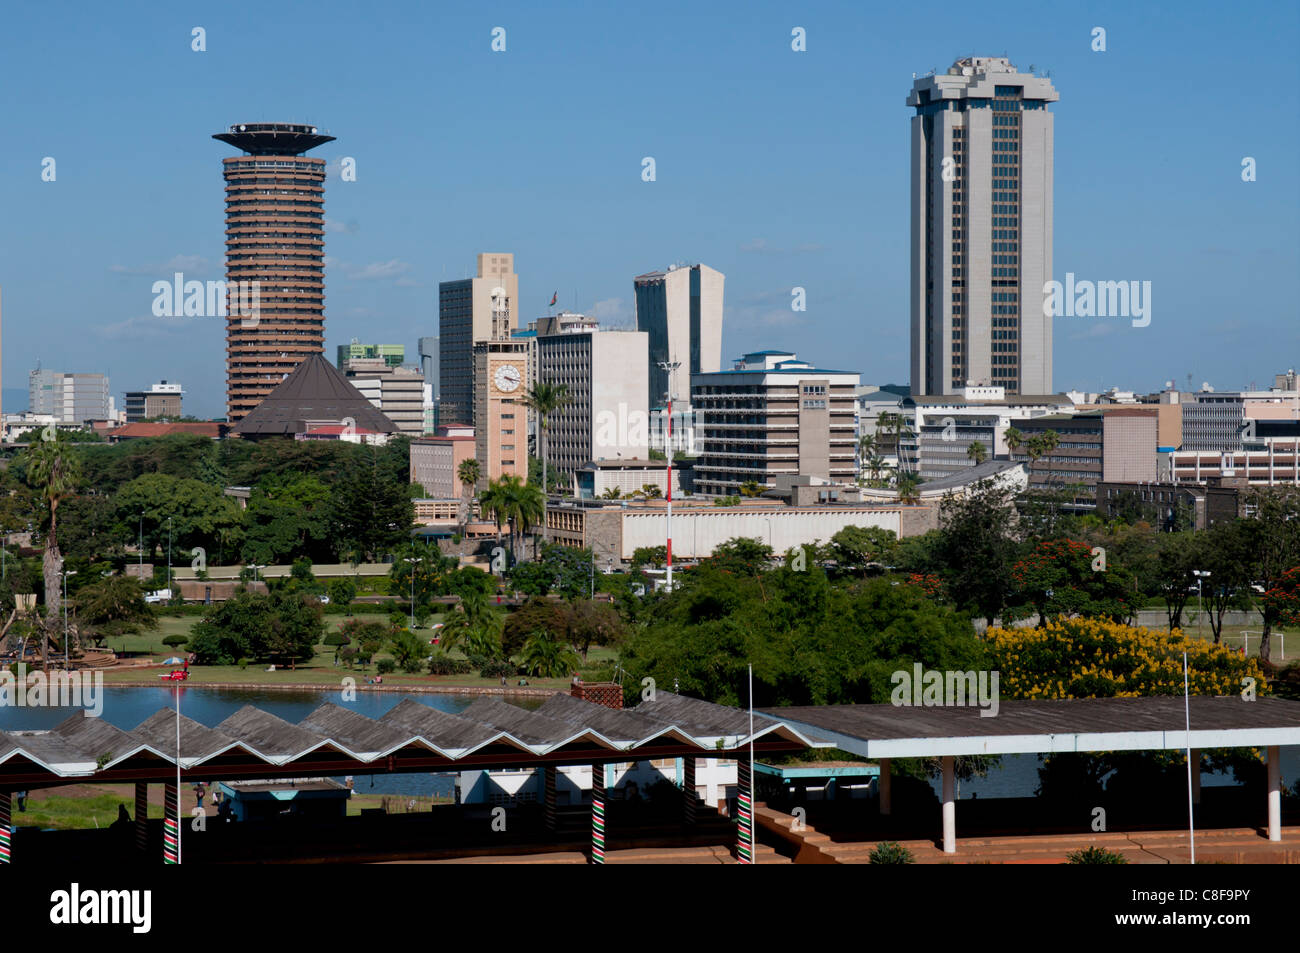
{"points": [[273, 138]]}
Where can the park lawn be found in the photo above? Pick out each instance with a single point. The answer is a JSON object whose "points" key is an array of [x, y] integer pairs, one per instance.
{"points": [[152, 640], [81, 806]]}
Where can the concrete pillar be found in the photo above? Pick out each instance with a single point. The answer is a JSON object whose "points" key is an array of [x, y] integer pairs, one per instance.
{"points": [[1196, 775], [949, 806], [1274, 793], [142, 816], [689, 799], [171, 825], [549, 797], [598, 813], [5, 817], [886, 801], [744, 811]]}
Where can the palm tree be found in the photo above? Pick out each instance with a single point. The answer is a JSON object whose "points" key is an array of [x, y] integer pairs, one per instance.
{"points": [[907, 490], [545, 656], [493, 505], [875, 466], [544, 399], [977, 452], [53, 469], [1015, 440], [515, 502], [750, 488], [468, 473]]}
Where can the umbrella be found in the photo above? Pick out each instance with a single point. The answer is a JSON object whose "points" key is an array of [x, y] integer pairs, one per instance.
{"points": [[173, 661]]}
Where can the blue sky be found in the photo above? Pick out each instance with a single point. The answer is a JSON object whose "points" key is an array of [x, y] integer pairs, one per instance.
{"points": [[780, 169]]}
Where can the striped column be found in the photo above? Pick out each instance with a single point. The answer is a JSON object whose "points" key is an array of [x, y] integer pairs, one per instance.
{"points": [[689, 798], [549, 799], [744, 811], [5, 811], [597, 813], [171, 823], [142, 816]]}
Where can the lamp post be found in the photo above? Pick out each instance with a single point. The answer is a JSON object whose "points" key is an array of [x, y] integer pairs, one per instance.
{"points": [[1199, 574], [412, 603], [66, 574], [140, 547], [669, 367], [169, 555]]}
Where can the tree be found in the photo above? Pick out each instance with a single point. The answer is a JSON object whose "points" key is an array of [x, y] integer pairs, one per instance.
{"points": [[587, 622], [561, 569], [856, 548], [1056, 577], [1015, 439], [544, 656], [338, 640], [975, 550], [655, 556], [512, 501], [741, 556], [1223, 551], [651, 491], [1177, 558], [409, 651], [908, 490], [750, 488], [544, 399], [179, 511], [113, 608], [372, 509], [283, 625], [977, 452], [468, 472], [289, 518], [1283, 600], [342, 591], [1273, 542], [53, 470]]}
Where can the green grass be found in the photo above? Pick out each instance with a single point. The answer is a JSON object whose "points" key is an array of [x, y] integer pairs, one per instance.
{"points": [[64, 811]]}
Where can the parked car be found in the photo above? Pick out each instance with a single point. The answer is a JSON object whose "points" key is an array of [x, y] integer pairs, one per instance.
{"points": [[161, 595]]}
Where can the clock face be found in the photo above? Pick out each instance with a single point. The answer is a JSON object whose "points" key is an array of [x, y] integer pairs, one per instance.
{"points": [[507, 378]]}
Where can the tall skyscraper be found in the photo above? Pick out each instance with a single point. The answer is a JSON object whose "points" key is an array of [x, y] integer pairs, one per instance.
{"points": [[681, 310], [466, 318], [428, 349], [981, 228], [275, 236]]}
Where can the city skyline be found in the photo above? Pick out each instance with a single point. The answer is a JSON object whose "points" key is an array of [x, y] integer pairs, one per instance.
{"points": [[796, 177]]}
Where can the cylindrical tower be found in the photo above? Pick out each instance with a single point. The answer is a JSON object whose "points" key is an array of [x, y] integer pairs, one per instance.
{"points": [[275, 249]]}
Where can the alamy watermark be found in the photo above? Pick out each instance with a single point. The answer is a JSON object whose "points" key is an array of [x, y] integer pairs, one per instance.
{"points": [[207, 299], [53, 690], [935, 689], [1099, 299]]}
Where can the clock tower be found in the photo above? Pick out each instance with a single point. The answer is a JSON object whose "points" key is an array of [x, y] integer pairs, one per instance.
{"points": [[501, 375]]}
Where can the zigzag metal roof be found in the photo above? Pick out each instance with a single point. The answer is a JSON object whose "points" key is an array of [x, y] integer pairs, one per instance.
{"points": [[410, 737]]}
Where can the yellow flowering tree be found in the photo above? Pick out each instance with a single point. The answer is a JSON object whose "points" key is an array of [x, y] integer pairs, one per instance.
{"points": [[1095, 658]]}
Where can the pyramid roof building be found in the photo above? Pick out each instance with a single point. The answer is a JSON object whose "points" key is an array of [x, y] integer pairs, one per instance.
{"points": [[315, 393]]}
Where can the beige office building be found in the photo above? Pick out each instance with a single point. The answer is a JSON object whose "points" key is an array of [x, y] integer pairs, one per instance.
{"points": [[466, 317], [771, 416], [605, 373], [981, 237]]}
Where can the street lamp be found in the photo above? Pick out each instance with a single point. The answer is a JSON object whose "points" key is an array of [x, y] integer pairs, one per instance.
{"points": [[1198, 573], [66, 574], [169, 556], [140, 546], [411, 566]]}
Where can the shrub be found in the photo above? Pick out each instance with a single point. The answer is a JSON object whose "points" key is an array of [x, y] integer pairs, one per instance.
{"points": [[443, 664], [385, 666], [495, 668], [243, 663], [890, 852], [1095, 855], [175, 640]]}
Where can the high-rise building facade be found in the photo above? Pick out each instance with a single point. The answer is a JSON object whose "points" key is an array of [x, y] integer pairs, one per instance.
{"points": [[275, 237], [681, 311], [465, 319], [72, 398], [981, 239], [604, 373], [393, 355], [773, 415], [428, 349], [160, 400], [500, 375]]}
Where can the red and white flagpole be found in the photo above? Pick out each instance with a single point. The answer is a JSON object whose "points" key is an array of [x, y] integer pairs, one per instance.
{"points": [[670, 366]]}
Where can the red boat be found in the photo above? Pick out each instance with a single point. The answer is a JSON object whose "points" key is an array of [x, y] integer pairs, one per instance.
{"points": [[177, 675]]}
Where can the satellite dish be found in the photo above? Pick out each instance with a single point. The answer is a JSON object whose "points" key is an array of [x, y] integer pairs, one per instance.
{"points": [[498, 292]]}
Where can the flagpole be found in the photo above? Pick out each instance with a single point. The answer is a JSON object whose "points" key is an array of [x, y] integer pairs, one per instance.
{"points": [[752, 818], [1187, 713], [179, 825]]}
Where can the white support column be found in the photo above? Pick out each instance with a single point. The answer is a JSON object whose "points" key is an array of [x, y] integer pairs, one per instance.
{"points": [[886, 799], [1196, 775], [949, 806], [1274, 793]]}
